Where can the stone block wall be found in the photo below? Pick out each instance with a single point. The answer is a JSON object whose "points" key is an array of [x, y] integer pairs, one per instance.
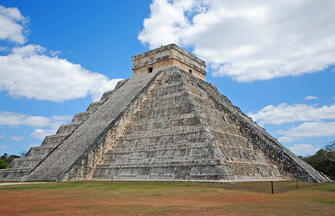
{"points": [[168, 56]]}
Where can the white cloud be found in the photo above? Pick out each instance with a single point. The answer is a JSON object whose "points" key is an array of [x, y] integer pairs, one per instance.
{"points": [[17, 119], [310, 98], [307, 129], [284, 113], [41, 133], [43, 125], [56, 121], [12, 25], [29, 72], [248, 40], [303, 149], [16, 138], [34, 72]]}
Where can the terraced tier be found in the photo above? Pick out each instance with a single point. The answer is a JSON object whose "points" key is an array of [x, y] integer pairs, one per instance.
{"points": [[20, 167], [184, 129], [103, 113]]}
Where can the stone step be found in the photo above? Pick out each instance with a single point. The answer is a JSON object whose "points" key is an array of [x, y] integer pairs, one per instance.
{"points": [[176, 171], [163, 112], [67, 128], [12, 174], [26, 162], [94, 106], [54, 140], [152, 147], [160, 163], [107, 95], [180, 137], [38, 151], [133, 132], [156, 160], [80, 117], [120, 83]]}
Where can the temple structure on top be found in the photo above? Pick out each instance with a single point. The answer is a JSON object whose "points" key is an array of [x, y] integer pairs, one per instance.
{"points": [[165, 123], [168, 56]]}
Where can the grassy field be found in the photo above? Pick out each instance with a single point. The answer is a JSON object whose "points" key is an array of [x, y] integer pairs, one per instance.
{"points": [[167, 198]]}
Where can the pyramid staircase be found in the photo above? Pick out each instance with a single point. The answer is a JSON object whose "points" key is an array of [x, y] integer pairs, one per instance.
{"points": [[20, 167]]}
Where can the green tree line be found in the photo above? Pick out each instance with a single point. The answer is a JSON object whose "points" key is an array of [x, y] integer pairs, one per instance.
{"points": [[324, 160], [5, 160]]}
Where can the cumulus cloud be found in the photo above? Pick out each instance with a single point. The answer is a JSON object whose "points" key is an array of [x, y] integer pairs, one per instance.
{"points": [[40, 133], [52, 127], [303, 149], [12, 25], [43, 125], [29, 72], [16, 138], [34, 72], [248, 40], [284, 113], [310, 98], [17, 119], [307, 129]]}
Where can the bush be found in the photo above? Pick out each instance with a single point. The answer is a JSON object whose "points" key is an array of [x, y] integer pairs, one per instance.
{"points": [[3, 164], [324, 160], [5, 160]]}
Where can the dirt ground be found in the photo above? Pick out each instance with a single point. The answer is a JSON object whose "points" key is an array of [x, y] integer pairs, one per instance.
{"points": [[167, 198]]}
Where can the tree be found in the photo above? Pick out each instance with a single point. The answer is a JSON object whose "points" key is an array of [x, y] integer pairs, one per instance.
{"points": [[3, 164], [5, 160], [324, 160]]}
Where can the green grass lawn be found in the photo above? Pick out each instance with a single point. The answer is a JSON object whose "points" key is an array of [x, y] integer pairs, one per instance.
{"points": [[167, 198]]}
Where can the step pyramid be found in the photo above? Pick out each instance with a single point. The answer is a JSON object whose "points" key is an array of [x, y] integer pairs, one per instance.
{"points": [[166, 123]]}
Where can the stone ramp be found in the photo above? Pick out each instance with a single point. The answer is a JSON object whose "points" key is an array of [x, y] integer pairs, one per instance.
{"points": [[71, 148], [20, 167]]}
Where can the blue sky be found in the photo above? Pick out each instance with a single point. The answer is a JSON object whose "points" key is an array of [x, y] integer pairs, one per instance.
{"points": [[275, 60]]}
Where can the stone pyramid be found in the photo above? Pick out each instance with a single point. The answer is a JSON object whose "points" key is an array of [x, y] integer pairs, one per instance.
{"points": [[166, 123]]}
